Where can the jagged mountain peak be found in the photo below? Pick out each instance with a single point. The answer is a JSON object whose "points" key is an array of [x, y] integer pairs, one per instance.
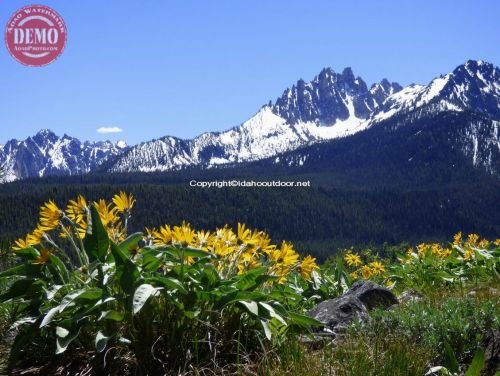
{"points": [[331, 105], [474, 85], [45, 153], [331, 97]]}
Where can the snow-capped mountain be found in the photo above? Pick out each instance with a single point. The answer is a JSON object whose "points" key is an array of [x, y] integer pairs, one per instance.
{"points": [[47, 154], [331, 106]]}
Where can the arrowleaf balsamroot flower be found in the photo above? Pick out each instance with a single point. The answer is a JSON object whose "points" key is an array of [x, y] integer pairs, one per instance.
{"points": [[50, 216], [44, 257], [77, 210], [123, 202], [307, 266], [376, 268], [352, 259]]}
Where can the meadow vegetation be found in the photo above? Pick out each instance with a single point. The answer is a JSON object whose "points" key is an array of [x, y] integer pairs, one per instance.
{"points": [[80, 294]]}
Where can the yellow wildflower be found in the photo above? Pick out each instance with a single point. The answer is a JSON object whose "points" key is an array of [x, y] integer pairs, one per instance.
{"points": [[44, 257], [36, 236], [422, 249], [285, 255], [497, 242], [307, 266], [106, 212], [123, 202], [22, 243], [469, 254], [183, 235], [376, 268], [352, 259], [77, 209], [484, 243], [203, 239], [472, 239], [50, 215], [457, 238], [354, 275], [162, 236], [366, 272]]}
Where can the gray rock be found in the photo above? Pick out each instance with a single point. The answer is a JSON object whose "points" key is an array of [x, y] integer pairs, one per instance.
{"points": [[492, 352], [339, 313], [372, 295], [409, 296]]}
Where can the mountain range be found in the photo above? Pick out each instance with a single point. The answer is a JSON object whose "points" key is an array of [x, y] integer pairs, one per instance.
{"points": [[325, 120]]}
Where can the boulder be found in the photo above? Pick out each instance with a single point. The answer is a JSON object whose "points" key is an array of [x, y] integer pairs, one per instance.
{"points": [[492, 352], [409, 296], [337, 314], [372, 295]]}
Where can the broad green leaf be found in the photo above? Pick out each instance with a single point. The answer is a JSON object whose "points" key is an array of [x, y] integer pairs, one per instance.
{"points": [[251, 307], [60, 268], [169, 283], [61, 332], [141, 295], [304, 320], [451, 360], [129, 244], [68, 299], [29, 253], [49, 316], [96, 242], [101, 341], [62, 343], [272, 312], [477, 364], [112, 315], [16, 271], [267, 329], [90, 294], [17, 289], [126, 270]]}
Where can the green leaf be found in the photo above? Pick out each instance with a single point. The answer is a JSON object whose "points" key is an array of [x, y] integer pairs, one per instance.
{"points": [[272, 312], [101, 341], [112, 315], [477, 364], [169, 283], [449, 356], [62, 343], [267, 329], [49, 316], [16, 271], [141, 295], [251, 307], [304, 320], [90, 294], [59, 268], [17, 289], [129, 244], [96, 243], [126, 270], [29, 253]]}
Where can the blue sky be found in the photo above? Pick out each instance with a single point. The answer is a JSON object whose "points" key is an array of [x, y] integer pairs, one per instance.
{"points": [[185, 67]]}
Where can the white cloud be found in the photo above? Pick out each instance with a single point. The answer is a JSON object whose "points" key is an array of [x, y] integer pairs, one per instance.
{"points": [[109, 130]]}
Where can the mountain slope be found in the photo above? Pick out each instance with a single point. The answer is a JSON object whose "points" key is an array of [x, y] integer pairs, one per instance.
{"points": [[47, 154], [331, 105]]}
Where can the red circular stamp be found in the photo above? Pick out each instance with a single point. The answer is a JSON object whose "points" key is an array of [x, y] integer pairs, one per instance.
{"points": [[35, 35]]}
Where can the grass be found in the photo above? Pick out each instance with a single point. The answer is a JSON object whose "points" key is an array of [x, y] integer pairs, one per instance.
{"points": [[444, 328]]}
